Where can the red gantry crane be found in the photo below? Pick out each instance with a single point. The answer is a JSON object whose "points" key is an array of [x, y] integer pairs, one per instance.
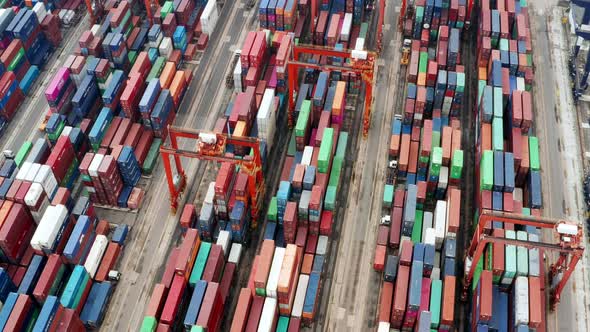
{"points": [[212, 147], [95, 9], [569, 246], [359, 66]]}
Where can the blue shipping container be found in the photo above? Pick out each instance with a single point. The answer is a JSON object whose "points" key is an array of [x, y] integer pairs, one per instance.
{"points": [[96, 303], [194, 305], [47, 314]]}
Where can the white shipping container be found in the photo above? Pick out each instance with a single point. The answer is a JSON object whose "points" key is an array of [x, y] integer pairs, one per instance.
{"points": [[49, 227], [430, 237], [520, 84], [426, 224], [275, 272], [300, 296], [238, 76], [165, 48], [346, 26], [223, 239], [209, 17], [210, 196], [440, 222], [307, 156], [521, 301], [322, 247], [435, 274], [32, 173], [266, 117], [269, 316], [95, 255], [534, 267], [443, 178], [235, 254], [40, 11], [517, 194], [383, 327], [46, 178], [66, 131], [95, 164], [24, 169], [32, 198], [95, 30], [359, 45]]}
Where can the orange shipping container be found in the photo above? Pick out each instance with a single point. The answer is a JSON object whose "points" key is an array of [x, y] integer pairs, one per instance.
{"points": [[455, 141], [404, 154], [177, 87], [4, 210], [448, 304], [339, 95], [413, 161], [263, 268], [446, 145], [535, 314], [385, 301], [108, 261], [253, 274], [394, 146], [288, 278], [454, 210], [167, 75], [188, 252], [307, 264], [240, 319], [486, 137]]}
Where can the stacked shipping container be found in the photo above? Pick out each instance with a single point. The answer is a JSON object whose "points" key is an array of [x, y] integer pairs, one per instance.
{"points": [[508, 284], [420, 273]]}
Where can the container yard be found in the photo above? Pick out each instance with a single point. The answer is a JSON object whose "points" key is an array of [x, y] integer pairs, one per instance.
{"points": [[290, 166]]}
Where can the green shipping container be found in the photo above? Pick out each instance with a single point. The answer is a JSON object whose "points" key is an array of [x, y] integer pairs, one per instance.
{"points": [[22, 153], [510, 261], [481, 84], [17, 59], [423, 64], [435, 139], [460, 82], [132, 56], [435, 302], [486, 170], [152, 157], [526, 211], [325, 150], [476, 275], [149, 324], [157, 68], [200, 263], [283, 324], [168, 7], [292, 145], [535, 162], [457, 164], [388, 195], [272, 209], [419, 15], [335, 173], [436, 161], [497, 134], [330, 199], [342, 142], [498, 103], [417, 228], [303, 119], [197, 328], [363, 30], [522, 255], [504, 45]]}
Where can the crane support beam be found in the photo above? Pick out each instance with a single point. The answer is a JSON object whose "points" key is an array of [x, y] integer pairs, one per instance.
{"points": [[568, 246], [250, 165], [363, 68]]}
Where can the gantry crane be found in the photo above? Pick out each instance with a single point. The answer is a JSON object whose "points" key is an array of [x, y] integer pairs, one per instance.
{"points": [[212, 147], [95, 9], [150, 8], [362, 67], [569, 246]]}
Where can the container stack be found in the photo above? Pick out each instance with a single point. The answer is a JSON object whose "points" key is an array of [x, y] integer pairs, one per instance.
{"points": [[416, 241], [195, 285], [509, 283], [58, 266], [28, 39]]}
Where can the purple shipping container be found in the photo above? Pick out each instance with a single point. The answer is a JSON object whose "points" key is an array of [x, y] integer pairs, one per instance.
{"points": [[57, 83]]}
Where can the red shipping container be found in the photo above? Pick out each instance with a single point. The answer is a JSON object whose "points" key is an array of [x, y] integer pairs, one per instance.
{"points": [[156, 304], [187, 218], [214, 266], [255, 313], [163, 328], [188, 253], [535, 295], [307, 264], [226, 280], [485, 297], [142, 65], [67, 320], [294, 324], [170, 265], [301, 238], [121, 133], [264, 262], [174, 299], [326, 223], [20, 313], [108, 261], [143, 146], [22, 192], [253, 274], [110, 133], [19, 274], [14, 187], [49, 277], [379, 262], [454, 210], [382, 235], [448, 303], [211, 308], [312, 243], [400, 294], [395, 230], [385, 301], [245, 54], [16, 232], [240, 318], [61, 157]]}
